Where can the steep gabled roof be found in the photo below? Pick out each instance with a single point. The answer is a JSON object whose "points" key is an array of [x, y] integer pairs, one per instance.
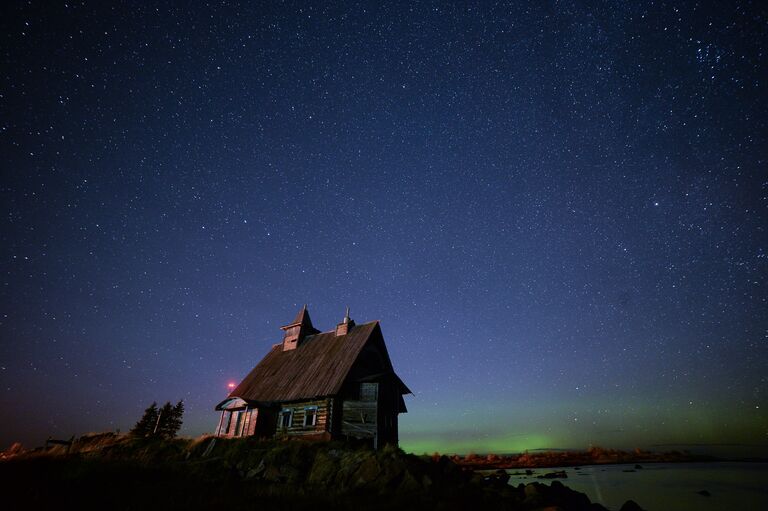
{"points": [[318, 367], [302, 318]]}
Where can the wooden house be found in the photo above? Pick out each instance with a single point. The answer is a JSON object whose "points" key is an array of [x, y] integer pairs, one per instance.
{"points": [[319, 385]]}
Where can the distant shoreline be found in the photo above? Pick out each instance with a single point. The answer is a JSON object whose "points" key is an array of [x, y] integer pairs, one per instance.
{"points": [[592, 456]]}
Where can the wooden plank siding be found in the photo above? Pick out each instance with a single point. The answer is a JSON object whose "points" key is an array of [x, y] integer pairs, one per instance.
{"points": [[359, 419], [251, 419], [297, 427], [388, 410], [240, 422]]}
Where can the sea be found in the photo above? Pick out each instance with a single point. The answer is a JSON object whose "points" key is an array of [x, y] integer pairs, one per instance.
{"points": [[666, 486]]}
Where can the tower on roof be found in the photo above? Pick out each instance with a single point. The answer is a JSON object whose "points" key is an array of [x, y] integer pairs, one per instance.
{"points": [[296, 331], [346, 325]]}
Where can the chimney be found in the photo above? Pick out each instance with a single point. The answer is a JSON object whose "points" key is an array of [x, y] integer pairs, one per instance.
{"points": [[296, 331], [345, 326]]}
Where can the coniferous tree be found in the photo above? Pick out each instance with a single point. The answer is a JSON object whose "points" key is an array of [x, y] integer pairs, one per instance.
{"points": [[163, 422], [163, 429], [146, 425], [175, 420], [170, 420]]}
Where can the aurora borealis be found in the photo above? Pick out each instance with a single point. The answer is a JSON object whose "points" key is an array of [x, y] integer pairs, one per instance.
{"points": [[558, 212]]}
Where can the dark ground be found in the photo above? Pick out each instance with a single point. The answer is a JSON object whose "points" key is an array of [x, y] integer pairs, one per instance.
{"points": [[121, 473]]}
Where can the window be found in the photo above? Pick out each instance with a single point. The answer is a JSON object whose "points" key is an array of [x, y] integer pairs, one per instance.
{"points": [[310, 416], [238, 423], [285, 418], [225, 428], [369, 391]]}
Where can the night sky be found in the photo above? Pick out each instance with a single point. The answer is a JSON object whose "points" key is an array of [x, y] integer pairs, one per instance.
{"points": [[557, 210]]}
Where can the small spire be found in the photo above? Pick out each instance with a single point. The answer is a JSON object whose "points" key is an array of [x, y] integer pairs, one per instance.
{"points": [[296, 331], [345, 325]]}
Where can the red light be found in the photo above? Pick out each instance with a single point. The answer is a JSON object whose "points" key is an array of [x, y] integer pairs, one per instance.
{"points": [[231, 386]]}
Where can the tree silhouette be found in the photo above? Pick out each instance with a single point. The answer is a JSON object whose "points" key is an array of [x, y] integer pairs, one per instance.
{"points": [[170, 420], [146, 425], [162, 423], [176, 418]]}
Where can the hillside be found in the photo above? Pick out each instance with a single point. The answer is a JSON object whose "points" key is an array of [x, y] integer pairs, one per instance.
{"points": [[120, 472]]}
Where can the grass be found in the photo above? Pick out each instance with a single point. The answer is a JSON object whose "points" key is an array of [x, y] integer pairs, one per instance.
{"points": [[125, 473]]}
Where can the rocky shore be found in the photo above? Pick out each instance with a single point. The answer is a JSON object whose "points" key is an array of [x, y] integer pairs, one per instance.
{"points": [[128, 473], [591, 456]]}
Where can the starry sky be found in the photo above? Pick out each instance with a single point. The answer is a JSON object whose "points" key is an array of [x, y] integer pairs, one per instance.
{"points": [[557, 210]]}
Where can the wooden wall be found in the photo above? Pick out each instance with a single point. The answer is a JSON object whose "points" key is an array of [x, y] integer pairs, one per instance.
{"points": [[240, 422], [389, 400], [253, 421], [266, 423], [297, 424], [359, 419], [251, 418]]}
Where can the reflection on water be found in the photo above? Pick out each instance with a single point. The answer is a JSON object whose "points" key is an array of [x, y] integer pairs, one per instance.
{"points": [[668, 487]]}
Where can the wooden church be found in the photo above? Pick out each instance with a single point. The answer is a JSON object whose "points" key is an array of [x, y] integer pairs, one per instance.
{"points": [[319, 385]]}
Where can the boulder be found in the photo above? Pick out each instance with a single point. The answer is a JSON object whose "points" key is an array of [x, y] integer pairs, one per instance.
{"points": [[538, 495], [272, 474], [256, 472], [409, 484], [392, 470], [347, 475], [499, 478], [631, 505], [324, 469], [533, 495], [368, 471], [558, 474]]}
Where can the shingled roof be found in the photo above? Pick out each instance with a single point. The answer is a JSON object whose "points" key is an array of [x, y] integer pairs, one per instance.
{"points": [[318, 367]]}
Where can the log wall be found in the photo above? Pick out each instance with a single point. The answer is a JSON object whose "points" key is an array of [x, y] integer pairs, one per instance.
{"points": [[297, 426]]}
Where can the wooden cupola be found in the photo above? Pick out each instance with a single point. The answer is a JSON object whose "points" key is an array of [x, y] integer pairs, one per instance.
{"points": [[296, 331]]}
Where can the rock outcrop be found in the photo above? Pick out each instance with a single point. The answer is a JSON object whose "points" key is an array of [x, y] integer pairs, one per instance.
{"points": [[212, 473]]}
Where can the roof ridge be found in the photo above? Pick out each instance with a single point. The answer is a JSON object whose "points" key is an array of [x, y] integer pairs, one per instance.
{"points": [[357, 325]]}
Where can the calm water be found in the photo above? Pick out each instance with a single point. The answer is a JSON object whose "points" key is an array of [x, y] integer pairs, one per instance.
{"points": [[668, 487]]}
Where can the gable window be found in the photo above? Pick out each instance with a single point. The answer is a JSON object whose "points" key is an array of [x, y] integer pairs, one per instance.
{"points": [[310, 416], [285, 418], [369, 391]]}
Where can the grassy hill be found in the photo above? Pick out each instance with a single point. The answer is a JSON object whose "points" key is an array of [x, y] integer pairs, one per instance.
{"points": [[125, 473]]}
